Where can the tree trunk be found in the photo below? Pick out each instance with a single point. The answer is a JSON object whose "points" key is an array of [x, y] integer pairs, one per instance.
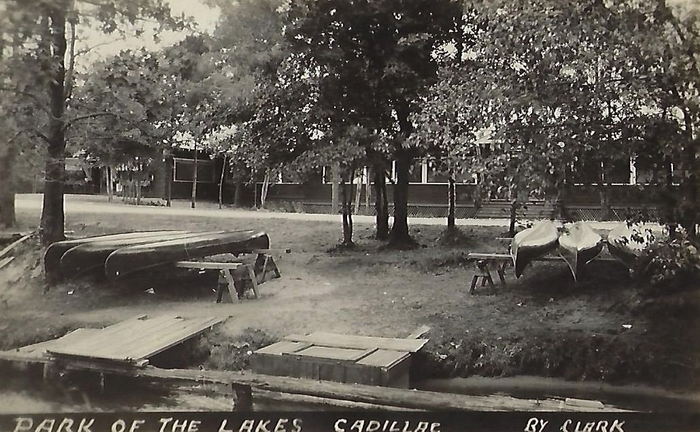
{"points": [[346, 197], [237, 194], [264, 189], [381, 202], [109, 182], [368, 189], [221, 183], [169, 173], [399, 235], [689, 184], [194, 179], [603, 195], [514, 204], [451, 201], [52, 216], [670, 202], [7, 158], [7, 189], [335, 185], [358, 192]]}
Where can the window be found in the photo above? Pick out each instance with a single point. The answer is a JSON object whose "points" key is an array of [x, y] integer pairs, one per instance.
{"points": [[617, 171], [415, 172], [183, 170], [437, 172]]}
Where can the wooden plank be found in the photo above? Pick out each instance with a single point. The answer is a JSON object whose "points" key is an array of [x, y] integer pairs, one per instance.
{"points": [[413, 399], [361, 342], [230, 286], [320, 403], [267, 251], [5, 261], [177, 339], [129, 348], [384, 358], [109, 343], [419, 332], [39, 349], [489, 256], [392, 397], [204, 265], [13, 245], [126, 343], [94, 342], [347, 354], [282, 347]]}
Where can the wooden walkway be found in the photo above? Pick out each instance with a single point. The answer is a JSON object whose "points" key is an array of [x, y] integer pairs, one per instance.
{"points": [[130, 343]]}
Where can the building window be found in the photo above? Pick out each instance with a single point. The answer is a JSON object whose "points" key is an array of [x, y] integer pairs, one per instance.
{"points": [[183, 170]]}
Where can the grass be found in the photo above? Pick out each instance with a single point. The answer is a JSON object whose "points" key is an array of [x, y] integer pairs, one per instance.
{"points": [[603, 329]]}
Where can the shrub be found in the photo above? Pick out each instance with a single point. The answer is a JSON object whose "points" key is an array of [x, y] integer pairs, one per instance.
{"points": [[671, 265]]}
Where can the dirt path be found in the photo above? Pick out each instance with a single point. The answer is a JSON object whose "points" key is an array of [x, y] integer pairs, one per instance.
{"points": [[80, 204]]}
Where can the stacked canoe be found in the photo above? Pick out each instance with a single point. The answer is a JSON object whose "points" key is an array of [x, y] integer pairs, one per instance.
{"points": [[578, 244], [120, 255]]}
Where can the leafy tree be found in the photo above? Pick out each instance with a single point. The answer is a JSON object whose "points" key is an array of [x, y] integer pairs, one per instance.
{"points": [[561, 81], [372, 60], [50, 22]]}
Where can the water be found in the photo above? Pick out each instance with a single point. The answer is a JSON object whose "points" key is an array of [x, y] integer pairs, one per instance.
{"points": [[28, 393]]}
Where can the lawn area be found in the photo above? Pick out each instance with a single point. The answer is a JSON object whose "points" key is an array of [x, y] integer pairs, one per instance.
{"points": [[602, 329]]}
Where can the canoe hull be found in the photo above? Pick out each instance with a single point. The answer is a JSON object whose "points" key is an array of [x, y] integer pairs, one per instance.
{"points": [[91, 256], [126, 261], [578, 246], [54, 253], [532, 243]]}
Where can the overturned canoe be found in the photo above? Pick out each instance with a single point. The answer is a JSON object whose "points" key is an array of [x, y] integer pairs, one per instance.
{"points": [[532, 243], [92, 255], [128, 260], [54, 253], [578, 245], [627, 243]]}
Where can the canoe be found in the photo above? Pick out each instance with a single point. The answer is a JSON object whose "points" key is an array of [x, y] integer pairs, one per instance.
{"points": [[92, 255], [627, 243], [128, 260], [532, 243], [578, 245], [53, 254]]}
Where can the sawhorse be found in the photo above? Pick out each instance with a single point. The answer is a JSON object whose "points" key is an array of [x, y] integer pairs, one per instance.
{"points": [[482, 261], [232, 277], [237, 277]]}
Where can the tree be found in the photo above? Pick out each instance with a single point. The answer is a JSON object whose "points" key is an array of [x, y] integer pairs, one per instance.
{"points": [[373, 59], [50, 20], [559, 81]]}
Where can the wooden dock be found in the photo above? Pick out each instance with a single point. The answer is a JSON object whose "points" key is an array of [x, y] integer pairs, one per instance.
{"points": [[121, 355], [339, 357], [129, 343]]}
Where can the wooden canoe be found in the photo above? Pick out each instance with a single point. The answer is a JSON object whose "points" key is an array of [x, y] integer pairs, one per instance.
{"points": [[627, 243], [128, 260], [578, 245], [92, 255], [532, 243], [54, 253]]}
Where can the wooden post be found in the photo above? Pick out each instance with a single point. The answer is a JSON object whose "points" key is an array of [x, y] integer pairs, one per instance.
{"points": [[194, 179], [243, 397]]}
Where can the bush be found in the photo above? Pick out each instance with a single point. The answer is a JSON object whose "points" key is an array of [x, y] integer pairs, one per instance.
{"points": [[671, 265]]}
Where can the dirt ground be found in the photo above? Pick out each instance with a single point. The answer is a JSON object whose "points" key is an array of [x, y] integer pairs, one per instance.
{"points": [[602, 329]]}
